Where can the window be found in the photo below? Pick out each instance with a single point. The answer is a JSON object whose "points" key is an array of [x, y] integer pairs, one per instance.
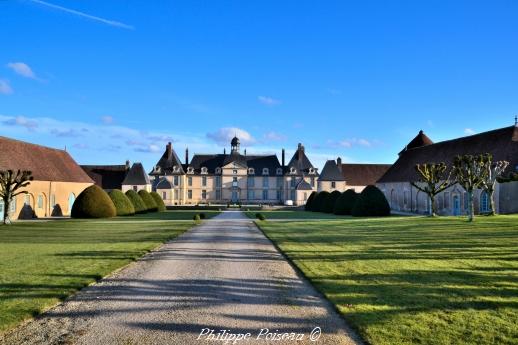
{"points": [[27, 200], [251, 171], [52, 200], [293, 170], [164, 195], [218, 170], [484, 202], [71, 200], [333, 184], [175, 180], [265, 194], [251, 181], [447, 200], [135, 188], [40, 201], [218, 194], [218, 181], [204, 170], [279, 171], [251, 195], [204, 181], [279, 182], [305, 196], [176, 194], [266, 171], [234, 196], [234, 172], [293, 195], [189, 181], [279, 194], [405, 197], [204, 194], [189, 194], [440, 201], [293, 182], [234, 181], [266, 182], [312, 182]]}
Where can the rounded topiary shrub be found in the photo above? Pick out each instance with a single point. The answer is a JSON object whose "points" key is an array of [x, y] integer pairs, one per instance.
{"points": [[345, 203], [309, 202], [123, 205], [136, 200], [319, 203], [159, 201], [148, 200], [329, 203], [371, 203], [93, 202], [260, 216]]}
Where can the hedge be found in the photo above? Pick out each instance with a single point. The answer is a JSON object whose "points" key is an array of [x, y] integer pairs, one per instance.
{"points": [[320, 199], [345, 202], [93, 202], [309, 202], [123, 205], [148, 200], [158, 200], [329, 203], [136, 200], [371, 203]]}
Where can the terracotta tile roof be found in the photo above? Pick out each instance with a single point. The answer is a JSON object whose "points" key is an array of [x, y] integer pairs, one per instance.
{"points": [[501, 143], [46, 164], [363, 174], [107, 176]]}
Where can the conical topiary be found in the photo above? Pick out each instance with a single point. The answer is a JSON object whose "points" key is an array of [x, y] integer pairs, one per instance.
{"points": [[136, 200], [345, 202], [148, 200], [122, 204], [159, 201], [93, 202], [371, 203]]}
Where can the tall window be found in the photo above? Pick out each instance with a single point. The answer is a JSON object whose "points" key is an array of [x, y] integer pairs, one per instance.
{"points": [[266, 182], [251, 181], [71, 200], [204, 181], [40, 201], [189, 181], [293, 194], [333, 184], [265, 194], [234, 172], [447, 200], [251, 194], [279, 194], [135, 188], [52, 200], [293, 182], [218, 181], [234, 181], [305, 196], [218, 194], [312, 182], [164, 195], [484, 202], [189, 194], [279, 182], [176, 194], [204, 194], [175, 180]]}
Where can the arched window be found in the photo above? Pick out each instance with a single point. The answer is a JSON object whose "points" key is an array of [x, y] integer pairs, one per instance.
{"points": [[484, 202], [71, 200], [266, 171], [218, 170], [251, 171], [204, 170], [279, 171]]}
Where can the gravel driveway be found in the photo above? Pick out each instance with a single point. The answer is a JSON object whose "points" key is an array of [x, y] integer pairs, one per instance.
{"points": [[222, 277]]}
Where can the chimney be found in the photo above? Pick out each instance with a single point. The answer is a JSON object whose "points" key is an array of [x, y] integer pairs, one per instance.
{"points": [[339, 163], [245, 152], [169, 150], [224, 151], [127, 164], [300, 151], [283, 156], [186, 156]]}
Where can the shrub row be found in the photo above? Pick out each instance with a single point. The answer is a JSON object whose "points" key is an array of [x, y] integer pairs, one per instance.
{"points": [[94, 202], [371, 202]]}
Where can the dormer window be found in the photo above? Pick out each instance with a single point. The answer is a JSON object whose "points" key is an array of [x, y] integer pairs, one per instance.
{"points": [[251, 171], [266, 171], [293, 170], [218, 170], [279, 171], [190, 170], [311, 170], [203, 170]]}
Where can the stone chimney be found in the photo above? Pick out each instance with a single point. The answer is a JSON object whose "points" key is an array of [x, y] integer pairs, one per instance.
{"points": [[224, 151], [283, 158], [245, 152], [127, 164], [169, 150], [339, 163], [186, 156], [300, 151]]}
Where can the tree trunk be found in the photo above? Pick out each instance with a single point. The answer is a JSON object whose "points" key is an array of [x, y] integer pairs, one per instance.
{"points": [[490, 196], [432, 205], [471, 206], [5, 215]]}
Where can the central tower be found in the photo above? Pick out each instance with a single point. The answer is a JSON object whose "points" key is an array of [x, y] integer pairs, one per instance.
{"points": [[234, 144]]}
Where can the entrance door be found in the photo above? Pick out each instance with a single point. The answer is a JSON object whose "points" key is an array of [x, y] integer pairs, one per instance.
{"points": [[456, 205], [235, 197]]}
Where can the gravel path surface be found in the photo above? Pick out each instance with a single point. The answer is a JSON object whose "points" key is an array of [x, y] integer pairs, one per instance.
{"points": [[221, 275]]}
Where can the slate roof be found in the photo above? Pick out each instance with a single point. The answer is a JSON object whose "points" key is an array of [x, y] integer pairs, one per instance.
{"points": [[331, 172], [421, 139], [107, 176], [303, 185], [501, 143], [45, 163], [258, 162], [164, 184], [363, 174], [165, 164], [136, 176], [300, 161]]}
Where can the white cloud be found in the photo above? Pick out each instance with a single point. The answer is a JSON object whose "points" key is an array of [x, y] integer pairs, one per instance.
{"points": [[20, 121], [268, 100], [274, 136], [348, 143], [5, 87], [107, 120], [22, 69], [224, 135], [80, 146], [65, 132], [148, 149], [85, 15], [469, 131]]}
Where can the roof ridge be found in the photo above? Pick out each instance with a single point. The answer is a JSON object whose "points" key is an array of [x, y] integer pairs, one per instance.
{"points": [[32, 144]]}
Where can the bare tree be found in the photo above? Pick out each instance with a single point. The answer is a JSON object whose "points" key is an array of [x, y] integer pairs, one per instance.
{"points": [[494, 171], [10, 185], [434, 179], [470, 173]]}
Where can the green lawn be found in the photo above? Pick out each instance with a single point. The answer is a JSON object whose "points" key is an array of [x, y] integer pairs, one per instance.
{"points": [[293, 215], [413, 280], [44, 262]]}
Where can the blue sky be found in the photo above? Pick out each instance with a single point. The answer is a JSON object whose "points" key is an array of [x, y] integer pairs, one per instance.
{"points": [[116, 80]]}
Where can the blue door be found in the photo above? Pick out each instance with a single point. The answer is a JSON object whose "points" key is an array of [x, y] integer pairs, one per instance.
{"points": [[456, 205]]}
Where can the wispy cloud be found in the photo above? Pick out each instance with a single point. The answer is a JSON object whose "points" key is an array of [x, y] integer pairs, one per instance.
{"points": [[20, 121], [84, 15], [469, 131], [349, 143], [148, 148], [107, 120], [274, 136], [5, 87], [268, 100], [223, 136], [22, 69], [65, 132]]}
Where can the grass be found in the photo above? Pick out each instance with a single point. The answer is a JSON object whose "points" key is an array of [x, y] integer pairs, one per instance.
{"points": [[43, 262], [293, 215], [413, 280]]}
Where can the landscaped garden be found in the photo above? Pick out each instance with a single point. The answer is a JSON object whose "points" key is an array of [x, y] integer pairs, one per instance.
{"points": [[412, 280], [42, 262]]}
